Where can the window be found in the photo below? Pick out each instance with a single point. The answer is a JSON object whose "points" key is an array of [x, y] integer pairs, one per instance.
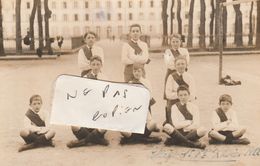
{"points": [[75, 4], [76, 18], [108, 4], [187, 15], [98, 30], [28, 5], [65, 17], [141, 3], [86, 17], [130, 17], [108, 16], [120, 30], [64, 5], [141, 16], [151, 28], [86, 29], [151, 4], [130, 4], [173, 15], [151, 16], [53, 5], [97, 4], [119, 4], [86, 4], [119, 16]]}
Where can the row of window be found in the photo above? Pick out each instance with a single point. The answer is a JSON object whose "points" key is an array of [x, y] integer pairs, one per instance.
{"points": [[97, 4], [103, 16]]}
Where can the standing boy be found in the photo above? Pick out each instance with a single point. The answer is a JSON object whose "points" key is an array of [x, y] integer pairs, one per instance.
{"points": [[86, 135], [178, 78], [36, 132], [134, 51], [185, 128], [130, 138], [87, 51], [225, 124]]}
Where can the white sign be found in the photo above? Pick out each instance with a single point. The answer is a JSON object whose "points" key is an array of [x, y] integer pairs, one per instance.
{"points": [[99, 104]]}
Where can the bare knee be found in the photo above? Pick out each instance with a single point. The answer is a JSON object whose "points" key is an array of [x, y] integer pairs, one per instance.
{"points": [[151, 126], [101, 131], [213, 133], [75, 128], [126, 134], [201, 131], [24, 133]]}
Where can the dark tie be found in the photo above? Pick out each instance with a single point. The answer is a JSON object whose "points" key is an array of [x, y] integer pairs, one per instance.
{"points": [[90, 51]]}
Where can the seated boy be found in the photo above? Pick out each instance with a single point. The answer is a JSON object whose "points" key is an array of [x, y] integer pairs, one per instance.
{"points": [[225, 125], [36, 132], [185, 129], [176, 79], [130, 138], [86, 135]]}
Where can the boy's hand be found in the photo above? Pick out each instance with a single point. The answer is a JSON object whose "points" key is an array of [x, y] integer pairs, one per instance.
{"points": [[43, 130]]}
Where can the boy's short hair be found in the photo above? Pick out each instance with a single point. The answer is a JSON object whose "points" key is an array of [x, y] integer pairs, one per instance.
{"points": [[35, 97], [180, 58], [138, 66], [183, 88], [225, 97], [176, 35], [135, 25], [89, 32], [95, 57]]}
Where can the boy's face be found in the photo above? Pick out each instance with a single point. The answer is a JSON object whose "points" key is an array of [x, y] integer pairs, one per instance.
{"points": [[175, 43], [137, 73], [225, 105], [90, 40], [95, 66], [135, 33], [36, 105], [180, 65], [183, 96]]}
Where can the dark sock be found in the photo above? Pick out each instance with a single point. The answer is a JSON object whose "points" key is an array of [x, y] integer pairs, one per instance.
{"points": [[41, 140], [178, 136], [192, 135]]}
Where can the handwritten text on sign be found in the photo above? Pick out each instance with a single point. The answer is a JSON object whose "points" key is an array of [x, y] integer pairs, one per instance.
{"points": [[99, 104]]}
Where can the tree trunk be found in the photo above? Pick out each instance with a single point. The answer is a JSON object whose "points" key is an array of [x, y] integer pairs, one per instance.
{"points": [[18, 27], [224, 23], [164, 19], [172, 15], [190, 28], [2, 51], [47, 16], [35, 4], [211, 24], [179, 17], [238, 39], [250, 35], [202, 42], [39, 16], [258, 25], [217, 24]]}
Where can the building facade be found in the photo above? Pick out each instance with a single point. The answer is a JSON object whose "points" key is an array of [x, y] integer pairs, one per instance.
{"points": [[71, 18]]}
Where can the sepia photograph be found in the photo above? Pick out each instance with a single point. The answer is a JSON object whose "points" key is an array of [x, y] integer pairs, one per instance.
{"points": [[130, 82]]}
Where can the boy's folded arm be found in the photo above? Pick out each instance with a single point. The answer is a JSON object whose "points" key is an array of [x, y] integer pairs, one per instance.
{"points": [[29, 126]]}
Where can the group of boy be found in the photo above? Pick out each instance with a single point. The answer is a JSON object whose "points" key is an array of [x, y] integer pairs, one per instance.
{"points": [[182, 124]]}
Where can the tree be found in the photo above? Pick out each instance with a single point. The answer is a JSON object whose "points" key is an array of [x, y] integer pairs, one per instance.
{"points": [[2, 51], [164, 20], [224, 23], [211, 24], [202, 42], [238, 39], [217, 24], [179, 17], [250, 35], [190, 28], [172, 16], [39, 17], [47, 16], [18, 27], [32, 17], [258, 25]]}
